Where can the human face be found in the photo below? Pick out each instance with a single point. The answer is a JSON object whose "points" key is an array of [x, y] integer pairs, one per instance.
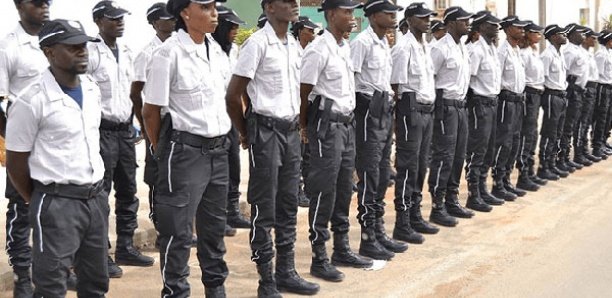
{"points": [[461, 27], [307, 35], [200, 18], [343, 19], [34, 12], [589, 41], [385, 20], [111, 27], [559, 39], [488, 30], [420, 25], [231, 35], [576, 37], [71, 59], [165, 26], [439, 33], [533, 37], [515, 32], [609, 44], [284, 10]]}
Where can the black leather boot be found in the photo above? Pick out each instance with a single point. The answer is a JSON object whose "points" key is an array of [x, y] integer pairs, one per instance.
{"points": [[562, 165], [557, 171], [533, 177], [486, 196], [321, 267], [591, 157], [113, 270], [371, 248], [22, 282], [303, 200], [267, 284], [454, 208], [229, 231], [234, 218], [474, 201], [511, 188], [545, 173], [438, 213], [216, 292], [417, 222], [387, 242], [500, 191], [571, 163], [525, 182], [344, 256], [403, 230], [288, 280], [126, 254]]}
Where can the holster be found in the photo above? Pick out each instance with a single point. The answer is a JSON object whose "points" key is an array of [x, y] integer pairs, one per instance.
{"points": [[165, 133], [251, 125], [439, 103], [323, 122]]}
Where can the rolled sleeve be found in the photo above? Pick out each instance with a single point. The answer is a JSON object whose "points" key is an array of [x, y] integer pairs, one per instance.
{"points": [[22, 127], [158, 79], [546, 62], [315, 61], [4, 73], [358, 54], [248, 60], [475, 60], [140, 67], [400, 55]]}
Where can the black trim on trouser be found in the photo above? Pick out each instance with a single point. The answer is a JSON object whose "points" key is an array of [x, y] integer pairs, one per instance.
{"points": [[414, 129], [482, 114], [553, 106], [507, 132], [449, 144], [119, 156], [373, 139], [529, 130], [274, 171], [67, 232], [600, 115], [191, 182], [150, 178], [18, 234], [572, 115], [332, 161], [233, 193], [581, 139]]}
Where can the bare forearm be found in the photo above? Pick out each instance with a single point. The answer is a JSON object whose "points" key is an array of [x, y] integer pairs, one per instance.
{"points": [[305, 90], [395, 87], [19, 172], [152, 122], [136, 97]]}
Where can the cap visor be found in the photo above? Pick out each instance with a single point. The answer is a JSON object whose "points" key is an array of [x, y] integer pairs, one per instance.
{"points": [[520, 24], [120, 12], [78, 39], [310, 25], [236, 20]]}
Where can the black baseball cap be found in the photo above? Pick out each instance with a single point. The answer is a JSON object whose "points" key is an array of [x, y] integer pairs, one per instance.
{"points": [[108, 9], [553, 29], [573, 27], [229, 15], [419, 10], [158, 12], [436, 25], [346, 4], [533, 27], [456, 13], [485, 16], [64, 32], [604, 37], [305, 22], [402, 22], [261, 21], [590, 33], [374, 6], [175, 7], [513, 21]]}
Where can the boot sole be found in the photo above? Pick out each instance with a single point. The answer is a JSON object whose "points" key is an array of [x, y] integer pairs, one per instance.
{"points": [[494, 203], [444, 224], [376, 257], [326, 278], [287, 289], [426, 231], [351, 265], [480, 208], [460, 215], [134, 264]]}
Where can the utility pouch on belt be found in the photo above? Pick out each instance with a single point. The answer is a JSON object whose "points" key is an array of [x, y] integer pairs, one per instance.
{"points": [[323, 122], [439, 110], [165, 132], [251, 123], [378, 103]]}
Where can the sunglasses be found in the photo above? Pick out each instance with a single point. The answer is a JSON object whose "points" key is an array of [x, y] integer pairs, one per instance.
{"points": [[38, 3]]}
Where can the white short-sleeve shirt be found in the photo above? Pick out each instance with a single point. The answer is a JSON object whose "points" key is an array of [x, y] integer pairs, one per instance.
{"points": [[603, 58], [190, 86], [141, 62], [63, 139], [274, 70], [328, 67], [534, 68], [413, 69], [114, 79], [554, 69], [371, 57], [577, 63], [593, 71], [513, 70], [452, 67], [21, 62], [485, 69]]}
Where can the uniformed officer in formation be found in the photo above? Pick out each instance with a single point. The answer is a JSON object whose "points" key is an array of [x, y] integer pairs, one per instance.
{"points": [[268, 70], [187, 123], [438, 30], [601, 115], [412, 80], [450, 133], [485, 84], [21, 64], [54, 161]]}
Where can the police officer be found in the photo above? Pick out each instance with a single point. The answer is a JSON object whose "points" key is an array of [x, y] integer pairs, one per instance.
{"points": [[21, 63], [412, 80], [553, 101], [509, 109], [371, 61], [485, 85], [438, 30], [601, 115], [268, 70], [403, 26], [163, 24], [53, 159], [261, 20], [328, 94], [111, 66], [534, 87], [185, 86], [581, 150], [450, 132], [577, 64]]}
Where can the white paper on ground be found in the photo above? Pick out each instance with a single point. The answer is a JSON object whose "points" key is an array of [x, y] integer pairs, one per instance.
{"points": [[377, 265]]}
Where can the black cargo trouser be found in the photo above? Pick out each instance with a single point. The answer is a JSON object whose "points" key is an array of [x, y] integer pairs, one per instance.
{"points": [[449, 144], [70, 227], [414, 129], [233, 194], [373, 138], [601, 115], [150, 178], [331, 140], [192, 182], [274, 176], [553, 104], [581, 139], [529, 129], [572, 115], [507, 133], [482, 114]]}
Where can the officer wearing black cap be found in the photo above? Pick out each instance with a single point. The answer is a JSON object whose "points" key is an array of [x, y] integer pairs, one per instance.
{"points": [[328, 100], [412, 80], [261, 20], [577, 63], [403, 26], [371, 61], [163, 24], [54, 161], [186, 87], [268, 71], [553, 102], [450, 133], [534, 87], [509, 110], [437, 29], [485, 85], [582, 154], [601, 116], [21, 63], [304, 31]]}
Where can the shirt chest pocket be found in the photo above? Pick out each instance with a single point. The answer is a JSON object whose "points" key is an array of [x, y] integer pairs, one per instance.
{"points": [[335, 79], [509, 67], [271, 75], [63, 126], [451, 63], [187, 88], [27, 71], [555, 67]]}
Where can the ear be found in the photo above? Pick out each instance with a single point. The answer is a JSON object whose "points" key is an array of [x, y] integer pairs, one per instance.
{"points": [[185, 13], [48, 51]]}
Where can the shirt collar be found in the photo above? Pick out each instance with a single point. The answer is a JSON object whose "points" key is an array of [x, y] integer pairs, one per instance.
{"points": [[412, 39], [186, 41], [23, 37], [331, 40], [271, 35], [382, 42]]}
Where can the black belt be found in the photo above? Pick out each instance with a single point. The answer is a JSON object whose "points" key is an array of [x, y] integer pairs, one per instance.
{"points": [[554, 92], [73, 191], [605, 86], [454, 103], [277, 123], [197, 141], [510, 96], [114, 126], [484, 100], [591, 84], [532, 90], [336, 117], [416, 106]]}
